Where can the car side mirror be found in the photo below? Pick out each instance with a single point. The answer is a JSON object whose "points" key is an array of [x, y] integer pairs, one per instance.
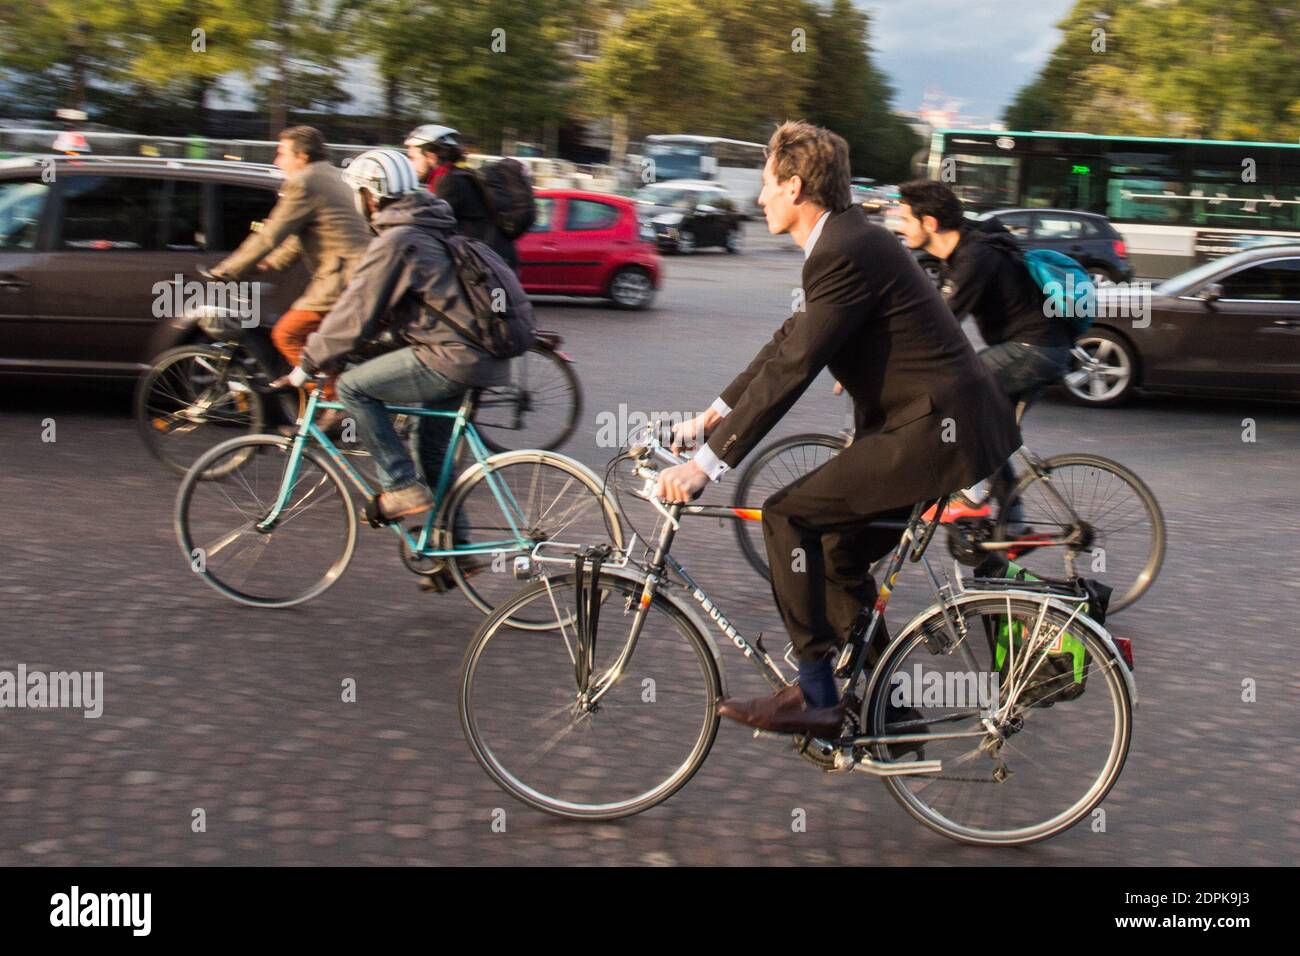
{"points": [[1211, 293]]}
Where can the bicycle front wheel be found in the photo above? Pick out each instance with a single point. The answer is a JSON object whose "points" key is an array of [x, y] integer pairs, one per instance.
{"points": [[546, 497], [1063, 721], [776, 466], [1125, 543], [193, 397], [538, 407], [218, 522], [531, 727]]}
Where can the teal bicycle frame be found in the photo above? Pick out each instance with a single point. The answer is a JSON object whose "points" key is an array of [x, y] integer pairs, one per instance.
{"points": [[419, 541]]}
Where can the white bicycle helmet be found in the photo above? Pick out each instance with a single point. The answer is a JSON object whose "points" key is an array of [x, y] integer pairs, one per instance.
{"points": [[384, 173], [431, 134]]}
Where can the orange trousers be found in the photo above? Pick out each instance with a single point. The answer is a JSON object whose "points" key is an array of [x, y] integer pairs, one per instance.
{"points": [[290, 335]]}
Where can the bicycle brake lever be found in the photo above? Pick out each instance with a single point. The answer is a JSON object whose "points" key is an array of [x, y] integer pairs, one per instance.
{"points": [[648, 493]]}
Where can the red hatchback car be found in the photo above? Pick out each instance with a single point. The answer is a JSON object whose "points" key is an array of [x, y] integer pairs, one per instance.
{"points": [[586, 243]]}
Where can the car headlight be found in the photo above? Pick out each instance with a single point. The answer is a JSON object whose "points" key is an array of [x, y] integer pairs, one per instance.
{"points": [[668, 219], [647, 231]]}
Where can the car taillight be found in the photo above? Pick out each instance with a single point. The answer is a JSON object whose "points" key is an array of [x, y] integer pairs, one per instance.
{"points": [[1125, 648], [1121, 250]]}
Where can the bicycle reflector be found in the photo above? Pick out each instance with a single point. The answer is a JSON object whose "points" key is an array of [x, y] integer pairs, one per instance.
{"points": [[1125, 648]]}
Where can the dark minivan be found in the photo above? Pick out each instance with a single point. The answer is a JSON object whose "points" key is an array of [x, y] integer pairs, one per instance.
{"points": [[85, 241]]}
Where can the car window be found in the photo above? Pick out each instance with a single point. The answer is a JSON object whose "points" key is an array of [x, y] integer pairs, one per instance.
{"points": [[545, 213], [1017, 222], [184, 222], [1057, 226], [659, 195], [586, 214], [112, 213], [21, 204], [1267, 282], [238, 207]]}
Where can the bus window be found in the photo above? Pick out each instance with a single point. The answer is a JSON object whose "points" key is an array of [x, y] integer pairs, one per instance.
{"points": [[986, 182], [1144, 187], [1061, 182]]}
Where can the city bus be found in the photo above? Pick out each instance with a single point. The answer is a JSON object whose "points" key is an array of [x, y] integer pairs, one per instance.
{"points": [[732, 163], [1176, 202]]}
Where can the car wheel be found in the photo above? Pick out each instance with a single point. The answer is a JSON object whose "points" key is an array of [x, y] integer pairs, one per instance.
{"points": [[735, 241], [631, 288], [1101, 276], [686, 242], [1105, 369]]}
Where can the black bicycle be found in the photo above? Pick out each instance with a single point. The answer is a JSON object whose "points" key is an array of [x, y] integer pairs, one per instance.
{"points": [[613, 710], [1077, 514], [197, 395]]}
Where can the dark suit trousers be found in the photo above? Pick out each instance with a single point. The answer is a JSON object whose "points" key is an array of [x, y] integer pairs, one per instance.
{"points": [[820, 551]]}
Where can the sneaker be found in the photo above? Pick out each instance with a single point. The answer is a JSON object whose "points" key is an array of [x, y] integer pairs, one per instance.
{"points": [[414, 499]]}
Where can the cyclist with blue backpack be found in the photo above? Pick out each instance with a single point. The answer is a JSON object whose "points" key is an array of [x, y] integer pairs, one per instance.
{"points": [[1028, 324]]}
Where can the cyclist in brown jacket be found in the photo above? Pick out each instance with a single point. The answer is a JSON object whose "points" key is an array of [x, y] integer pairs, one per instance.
{"points": [[316, 218]]}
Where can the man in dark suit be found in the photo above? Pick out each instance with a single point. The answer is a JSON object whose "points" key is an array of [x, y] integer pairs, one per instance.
{"points": [[928, 417]]}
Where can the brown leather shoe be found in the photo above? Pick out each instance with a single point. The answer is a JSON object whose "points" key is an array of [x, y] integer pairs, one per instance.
{"points": [[785, 712]]}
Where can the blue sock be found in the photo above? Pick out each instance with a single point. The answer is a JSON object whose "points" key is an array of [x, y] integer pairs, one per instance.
{"points": [[817, 681]]}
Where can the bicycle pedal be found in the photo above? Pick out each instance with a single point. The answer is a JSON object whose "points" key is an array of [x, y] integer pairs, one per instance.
{"points": [[373, 515]]}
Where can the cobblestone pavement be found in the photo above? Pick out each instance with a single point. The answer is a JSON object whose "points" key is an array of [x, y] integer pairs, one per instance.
{"points": [[239, 712]]}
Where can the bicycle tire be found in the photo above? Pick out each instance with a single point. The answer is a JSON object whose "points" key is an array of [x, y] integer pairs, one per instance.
{"points": [[1156, 554], [477, 474], [935, 621], [629, 588], [493, 435], [147, 422], [752, 477], [184, 536]]}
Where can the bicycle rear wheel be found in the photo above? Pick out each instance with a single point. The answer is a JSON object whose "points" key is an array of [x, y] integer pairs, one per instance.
{"points": [[194, 397], [548, 496], [1067, 728], [529, 727], [776, 466], [538, 407], [217, 522], [1126, 543]]}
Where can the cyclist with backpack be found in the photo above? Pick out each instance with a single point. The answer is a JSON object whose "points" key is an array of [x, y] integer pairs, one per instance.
{"points": [[986, 276], [440, 296], [494, 206]]}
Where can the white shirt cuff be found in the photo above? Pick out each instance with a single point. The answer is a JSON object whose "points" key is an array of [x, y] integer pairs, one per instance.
{"points": [[721, 407], [709, 463]]}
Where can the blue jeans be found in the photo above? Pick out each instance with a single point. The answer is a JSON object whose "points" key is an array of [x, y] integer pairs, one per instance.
{"points": [[1022, 371], [400, 378]]}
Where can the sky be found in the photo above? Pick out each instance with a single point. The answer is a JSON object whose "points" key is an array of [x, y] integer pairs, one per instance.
{"points": [[977, 52]]}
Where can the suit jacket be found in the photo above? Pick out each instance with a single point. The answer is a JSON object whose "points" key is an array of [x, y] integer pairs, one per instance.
{"points": [[316, 218], [929, 419]]}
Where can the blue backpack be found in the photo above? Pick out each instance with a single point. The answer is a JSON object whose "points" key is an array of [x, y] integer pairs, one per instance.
{"points": [[1069, 290]]}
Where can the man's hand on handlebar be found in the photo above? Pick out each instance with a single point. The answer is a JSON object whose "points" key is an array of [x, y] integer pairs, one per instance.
{"points": [[681, 483], [295, 379], [688, 435]]}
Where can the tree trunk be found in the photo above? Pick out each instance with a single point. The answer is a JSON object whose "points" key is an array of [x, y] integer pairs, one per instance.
{"points": [[618, 140], [279, 113], [392, 104]]}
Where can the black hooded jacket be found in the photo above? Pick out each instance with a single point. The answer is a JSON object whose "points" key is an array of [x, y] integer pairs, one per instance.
{"points": [[986, 277]]}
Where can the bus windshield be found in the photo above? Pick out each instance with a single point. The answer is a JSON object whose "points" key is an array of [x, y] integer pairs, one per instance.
{"points": [[676, 162]]}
